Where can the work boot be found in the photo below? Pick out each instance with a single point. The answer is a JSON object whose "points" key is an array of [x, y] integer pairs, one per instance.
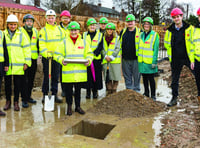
{"points": [[31, 100], [80, 110], [7, 105], [173, 102], [25, 104], [16, 106], [2, 113], [58, 100], [88, 92], [198, 98], [69, 110]]}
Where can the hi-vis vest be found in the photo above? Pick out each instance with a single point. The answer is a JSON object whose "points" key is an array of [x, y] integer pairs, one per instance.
{"points": [[49, 38], [19, 52], [145, 52], [33, 42], [137, 36], [1, 46], [110, 49], [188, 42], [68, 50], [196, 42], [94, 43]]}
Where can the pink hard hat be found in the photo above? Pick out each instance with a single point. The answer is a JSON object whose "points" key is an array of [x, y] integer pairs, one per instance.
{"points": [[198, 11], [176, 11], [65, 13]]}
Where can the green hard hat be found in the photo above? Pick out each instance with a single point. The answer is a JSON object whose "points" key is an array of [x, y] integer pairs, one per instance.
{"points": [[103, 20], [74, 25], [130, 17], [110, 26], [148, 19], [91, 21]]}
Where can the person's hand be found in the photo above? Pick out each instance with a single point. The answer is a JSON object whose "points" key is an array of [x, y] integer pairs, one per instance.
{"points": [[64, 63], [108, 59], [25, 67], [86, 64], [192, 65], [6, 68], [153, 66]]}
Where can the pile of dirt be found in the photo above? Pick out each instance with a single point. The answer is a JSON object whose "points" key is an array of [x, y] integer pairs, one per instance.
{"points": [[128, 103]]}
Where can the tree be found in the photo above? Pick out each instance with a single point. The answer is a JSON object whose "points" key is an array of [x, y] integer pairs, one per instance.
{"points": [[193, 20]]}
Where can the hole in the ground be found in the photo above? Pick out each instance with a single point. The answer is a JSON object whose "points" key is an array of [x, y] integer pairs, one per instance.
{"points": [[90, 129]]}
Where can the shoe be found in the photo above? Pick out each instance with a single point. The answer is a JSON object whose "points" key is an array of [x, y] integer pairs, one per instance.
{"points": [[69, 110], [16, 106], [154, 98], [87, 94], [95, 95], [7, 105], [25, 104], [31, 100], [2, 113], [79, 110], [173, 102], [145, 94], [63, 94], [58, 100]]}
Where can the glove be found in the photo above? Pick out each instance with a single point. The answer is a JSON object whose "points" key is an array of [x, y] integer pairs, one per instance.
{"points": [[153, 66]]}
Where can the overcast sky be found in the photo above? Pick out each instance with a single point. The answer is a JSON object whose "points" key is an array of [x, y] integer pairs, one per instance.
{"points": [[109, 3]]}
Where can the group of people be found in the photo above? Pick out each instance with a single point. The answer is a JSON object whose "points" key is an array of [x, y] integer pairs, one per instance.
{"points": [[103, 50]]}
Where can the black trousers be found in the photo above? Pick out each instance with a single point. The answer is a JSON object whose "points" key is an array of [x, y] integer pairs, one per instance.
{"points": [[149, 78], [197, 75], [29, 77], [55, 72], [176, 67], [68, 89], [19, 87]]}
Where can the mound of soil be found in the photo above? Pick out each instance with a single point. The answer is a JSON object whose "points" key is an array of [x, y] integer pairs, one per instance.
{"points": [[128, 103]]}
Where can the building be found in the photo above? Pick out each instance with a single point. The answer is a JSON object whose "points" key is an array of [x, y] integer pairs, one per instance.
{"points": [[91, 10]]}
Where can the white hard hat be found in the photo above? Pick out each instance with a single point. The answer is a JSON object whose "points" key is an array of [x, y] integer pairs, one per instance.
{"points": [[50, 12], [12, 18]]}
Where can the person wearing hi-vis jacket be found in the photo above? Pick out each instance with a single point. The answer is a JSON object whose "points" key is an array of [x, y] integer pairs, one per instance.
{"points": [[73, 74]]}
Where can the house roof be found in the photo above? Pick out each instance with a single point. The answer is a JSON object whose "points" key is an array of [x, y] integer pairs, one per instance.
{"points": [[103, 9], [19, 6]]}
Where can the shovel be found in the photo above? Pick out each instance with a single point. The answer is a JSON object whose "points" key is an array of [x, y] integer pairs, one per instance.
{"points": [[49, 99]]}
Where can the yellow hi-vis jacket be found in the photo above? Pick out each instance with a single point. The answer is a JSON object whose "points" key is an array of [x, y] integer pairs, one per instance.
{"points": [[19, 52], [146, 49], [49, 39], [137, 36], [32, 41], [94, 42], [188, 41], [72, 73], [196, 43], [113, 47], [1, 46]]}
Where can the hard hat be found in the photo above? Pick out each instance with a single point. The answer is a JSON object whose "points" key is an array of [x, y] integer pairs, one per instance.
{"points": [[91, 21], [198, 11], [103, 20], [74, 25], [110, 26], [176, 11], [12, 18], [148, 19], [65, 13], [50, 12], [130, 17], [28, 16]]}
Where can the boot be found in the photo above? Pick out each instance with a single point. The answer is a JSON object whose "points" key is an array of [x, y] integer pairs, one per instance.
{"points": [[25, 104], [173, 102], [16, 106], [2, 113], [198, 98], [114, 88], [88, 94], [69, 110], [31, 100], [95, 94], [7, 105], [80, 110]]}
